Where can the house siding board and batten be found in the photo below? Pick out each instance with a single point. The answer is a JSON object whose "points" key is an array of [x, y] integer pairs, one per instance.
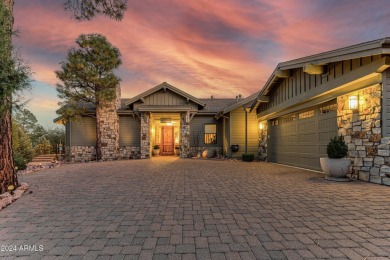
{"points": [[289, 91], [301, 109], [386, 104], [238, 131], [302, 142], [166, 98], [197, 127]]}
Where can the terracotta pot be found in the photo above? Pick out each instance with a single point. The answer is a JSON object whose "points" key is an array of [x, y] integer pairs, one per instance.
{"points": [[335, 168], [156, 152]]}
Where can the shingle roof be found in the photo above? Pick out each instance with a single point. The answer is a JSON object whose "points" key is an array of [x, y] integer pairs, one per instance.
{"points": [[242, 102], [215, 105]]}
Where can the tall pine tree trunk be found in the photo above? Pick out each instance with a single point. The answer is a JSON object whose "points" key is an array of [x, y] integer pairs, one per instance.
{"points": [[7, 168]]}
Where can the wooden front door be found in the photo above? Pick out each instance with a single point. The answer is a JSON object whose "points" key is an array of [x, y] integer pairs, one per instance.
{"points": [[167, 140]]}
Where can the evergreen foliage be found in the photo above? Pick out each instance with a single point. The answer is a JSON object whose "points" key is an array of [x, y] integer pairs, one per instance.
{"points": [[87, 9], [21, 142], [88, 76], [337, 147], [43, 147], [14, 75]]}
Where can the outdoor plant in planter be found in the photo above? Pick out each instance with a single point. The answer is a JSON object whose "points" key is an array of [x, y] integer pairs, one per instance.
{"points": [[248, 157], [336, 166], [156, 150], [177, 150]]}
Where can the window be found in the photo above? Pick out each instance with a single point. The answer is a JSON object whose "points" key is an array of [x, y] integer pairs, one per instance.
{"points": [[306, 114], [326, 109], [289, 118], [210, 133]]}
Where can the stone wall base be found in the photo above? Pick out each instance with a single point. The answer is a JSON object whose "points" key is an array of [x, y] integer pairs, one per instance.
{"points": [[88, 153], [81, 153], [129, 152]]}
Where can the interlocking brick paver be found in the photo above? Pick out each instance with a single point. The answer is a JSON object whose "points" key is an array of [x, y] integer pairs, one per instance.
{"points": [[169, 208]]}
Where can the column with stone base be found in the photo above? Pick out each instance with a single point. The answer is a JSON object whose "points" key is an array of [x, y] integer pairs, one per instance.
{"points": [[184, 135], [145, 135]]}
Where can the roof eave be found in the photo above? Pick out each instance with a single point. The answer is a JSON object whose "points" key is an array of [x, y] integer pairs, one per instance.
{"points": [[161, 86]]}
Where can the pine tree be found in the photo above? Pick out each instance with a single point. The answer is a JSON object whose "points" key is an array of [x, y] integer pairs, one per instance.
{"points": [[21, 142], [14, 76], [88, 79]]}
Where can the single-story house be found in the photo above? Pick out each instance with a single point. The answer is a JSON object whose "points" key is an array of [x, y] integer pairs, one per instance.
{"points": [[307, 101], [168, 117], [304, 103]]}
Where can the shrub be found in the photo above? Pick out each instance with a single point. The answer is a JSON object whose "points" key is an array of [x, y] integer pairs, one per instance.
{"points": [[177, 147], [248, 157], [156, 146], [337, 147], [20, 162]]}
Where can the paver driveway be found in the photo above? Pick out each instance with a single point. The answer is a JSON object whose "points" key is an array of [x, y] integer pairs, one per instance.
{"points": [[169, 208]]}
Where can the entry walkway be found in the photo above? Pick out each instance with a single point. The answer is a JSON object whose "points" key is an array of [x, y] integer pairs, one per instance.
{"points": [[170, 208]]}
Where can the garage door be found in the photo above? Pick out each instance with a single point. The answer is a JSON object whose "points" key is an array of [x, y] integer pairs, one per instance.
{"points": [[300, 139]]}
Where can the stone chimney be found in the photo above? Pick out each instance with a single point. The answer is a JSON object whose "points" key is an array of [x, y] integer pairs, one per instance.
{"points": [[118, 97]]}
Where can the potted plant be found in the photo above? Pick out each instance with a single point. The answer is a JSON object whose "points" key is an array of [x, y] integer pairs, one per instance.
{"points": [[156, 150], [335, 166], [177, 150]]}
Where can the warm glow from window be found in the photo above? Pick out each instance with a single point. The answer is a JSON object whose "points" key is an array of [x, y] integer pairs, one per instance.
{"points": [[353, 102], [261, 126]]}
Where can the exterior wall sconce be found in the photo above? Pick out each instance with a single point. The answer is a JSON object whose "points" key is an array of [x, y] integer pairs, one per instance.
{"points": [[261, 126], [353, 102]]}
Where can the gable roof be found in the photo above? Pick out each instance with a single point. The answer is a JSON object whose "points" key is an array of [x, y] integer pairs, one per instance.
{"points": [[245, 102], [376, 47], [164, 86]]}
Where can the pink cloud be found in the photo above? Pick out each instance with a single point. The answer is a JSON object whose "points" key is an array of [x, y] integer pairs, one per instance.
{"points": [[203, 47]]}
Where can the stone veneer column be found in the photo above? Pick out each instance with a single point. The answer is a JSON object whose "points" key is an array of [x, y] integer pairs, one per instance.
{"points": [[369, 152], [109, 130], [263, 144], [145, 135], [184, 136]]}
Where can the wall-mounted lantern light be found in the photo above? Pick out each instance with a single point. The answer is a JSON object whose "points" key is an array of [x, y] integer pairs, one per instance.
{"points": [[261, 126], [353, 102]]}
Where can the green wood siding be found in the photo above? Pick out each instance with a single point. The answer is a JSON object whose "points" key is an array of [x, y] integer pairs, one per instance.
{"points": [[129, 131], [386, 103], [197, 129], [83, 132], [237, 131], [166, 98], [300, 83]]}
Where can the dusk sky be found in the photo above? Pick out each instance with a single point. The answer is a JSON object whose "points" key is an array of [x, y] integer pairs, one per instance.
{"points": [[221, 48]]}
